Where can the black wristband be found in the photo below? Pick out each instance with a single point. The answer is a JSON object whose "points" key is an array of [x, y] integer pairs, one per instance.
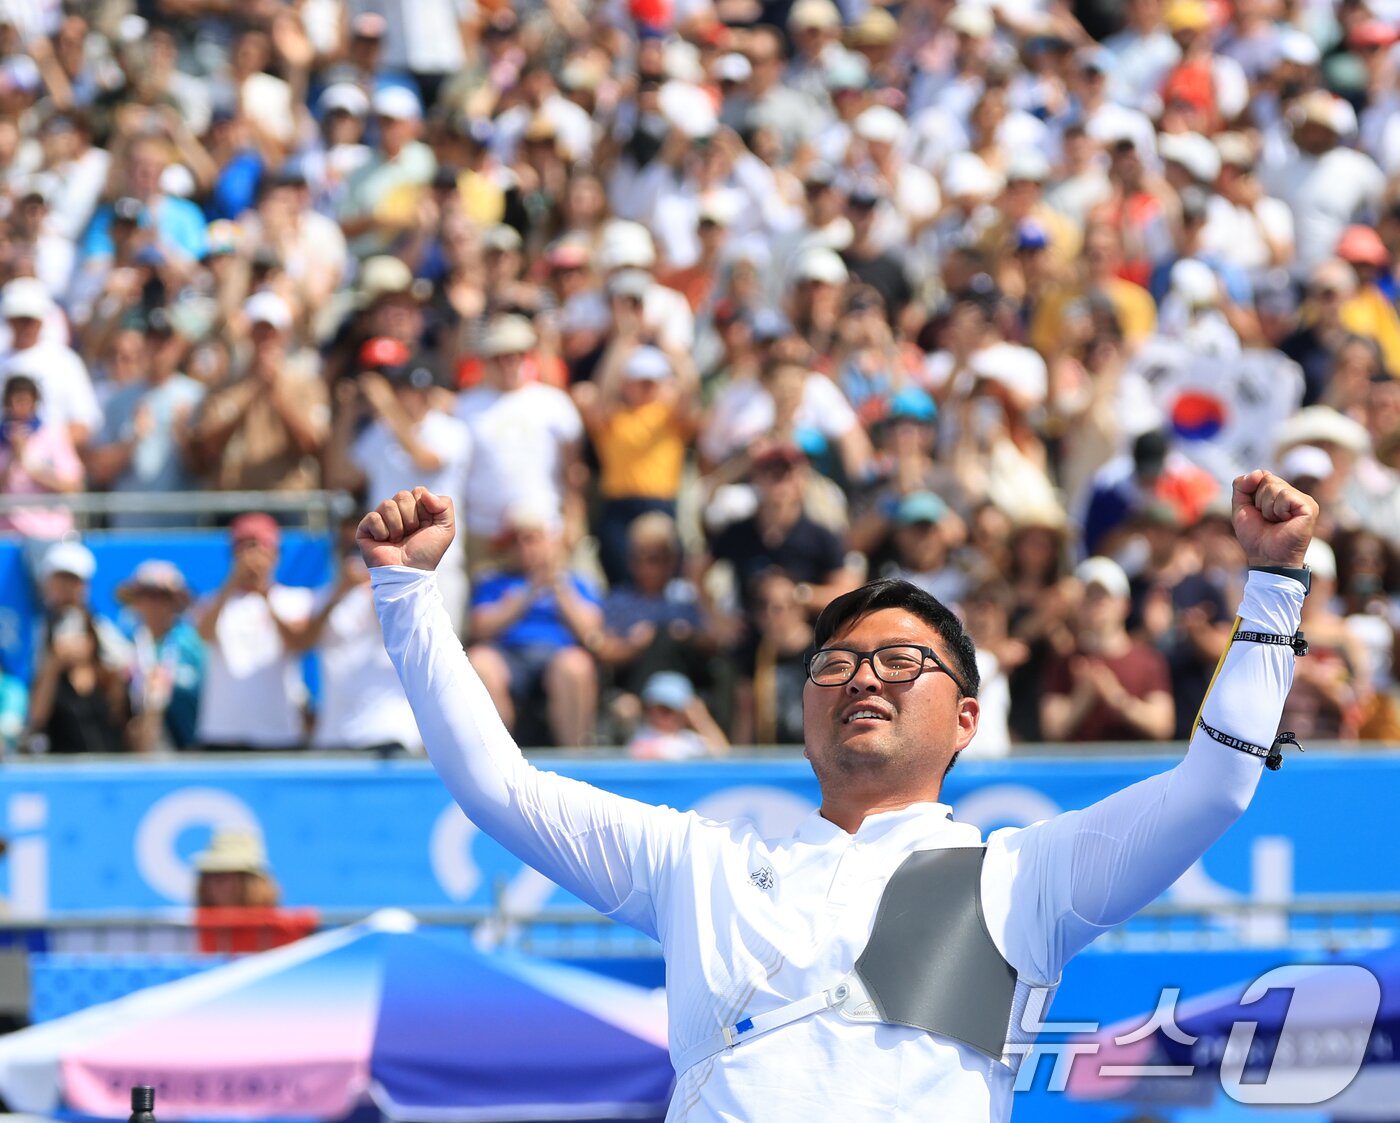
{"points": [[1297, 641], [1301, 573]]}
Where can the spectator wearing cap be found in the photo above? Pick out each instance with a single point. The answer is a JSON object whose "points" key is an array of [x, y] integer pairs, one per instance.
{"points": [[824, 227], [1237, 294], [146, 442], [386, 302], [36, 458], [256, 632], [627, 257], [65, 386], [167, 665], [264, 429], [504, 283], [846, 78], [815, 302], [868, 260], [381, 195], [1110, 687], [641, 413], [362, 706], [878, 149], [924, 533], [1368, 311], [1023, 201], [177, 226], [780, 535], [904, 463], [526, 441], [1244, 226], [696, 282], [676, 725], [530, 624], [1326, 184], [339, 149], [814, 26], [388, 437]]}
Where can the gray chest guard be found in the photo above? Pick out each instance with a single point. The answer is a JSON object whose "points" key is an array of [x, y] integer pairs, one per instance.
{"points": [[930, 962]]}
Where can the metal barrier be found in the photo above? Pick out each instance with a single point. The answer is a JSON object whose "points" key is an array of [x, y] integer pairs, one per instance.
{"points": [[321, 509], [1319, 923]]}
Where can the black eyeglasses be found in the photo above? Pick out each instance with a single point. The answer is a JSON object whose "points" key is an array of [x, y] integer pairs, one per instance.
{"points": [[898, 662]]}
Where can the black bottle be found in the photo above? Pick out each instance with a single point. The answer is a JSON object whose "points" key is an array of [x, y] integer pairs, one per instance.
{"points": [[143, 1104]]}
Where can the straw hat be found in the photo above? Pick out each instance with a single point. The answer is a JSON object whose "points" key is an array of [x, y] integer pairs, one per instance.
{"points": [[233, 851]]}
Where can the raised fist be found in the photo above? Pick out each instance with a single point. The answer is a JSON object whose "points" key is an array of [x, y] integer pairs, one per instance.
{"points": [[414, 528], [1273, 520]]}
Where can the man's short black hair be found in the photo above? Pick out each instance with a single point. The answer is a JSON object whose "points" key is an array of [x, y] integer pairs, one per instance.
{"points": [[891, 592]]}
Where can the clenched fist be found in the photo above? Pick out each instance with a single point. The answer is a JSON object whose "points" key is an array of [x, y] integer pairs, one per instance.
{"points": [[1273, 520], [414, 528]]}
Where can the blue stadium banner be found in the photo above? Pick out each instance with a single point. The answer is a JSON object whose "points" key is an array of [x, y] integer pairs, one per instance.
{"points": [[363, 834]]}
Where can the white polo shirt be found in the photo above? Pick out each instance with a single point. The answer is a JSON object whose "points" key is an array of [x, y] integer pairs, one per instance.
{"points": [[749, 924]]}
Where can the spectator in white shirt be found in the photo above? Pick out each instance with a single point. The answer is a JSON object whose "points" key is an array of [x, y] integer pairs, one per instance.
{"points": [[362, 706], [65, 387], [1326, 185], [406, 443], [257, 632], [526, 442]]}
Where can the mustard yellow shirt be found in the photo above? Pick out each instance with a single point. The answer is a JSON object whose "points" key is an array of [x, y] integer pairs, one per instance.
{"points": [[1137, 315], [641, 452], [1368, 313]]}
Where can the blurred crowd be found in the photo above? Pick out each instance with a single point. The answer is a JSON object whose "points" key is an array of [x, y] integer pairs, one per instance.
{"points": [[703, 312]]}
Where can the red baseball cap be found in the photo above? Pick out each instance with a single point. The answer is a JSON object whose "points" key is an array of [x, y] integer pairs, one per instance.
{"points": [[1373, 33], [383, 351], [255, 526], [1361, 245]]}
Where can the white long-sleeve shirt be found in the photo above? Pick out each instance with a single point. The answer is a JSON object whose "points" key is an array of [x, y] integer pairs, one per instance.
{"points": [[749, 924]]}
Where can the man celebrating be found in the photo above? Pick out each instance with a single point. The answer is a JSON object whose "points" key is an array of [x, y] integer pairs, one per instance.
{"points": [[878, 964]]}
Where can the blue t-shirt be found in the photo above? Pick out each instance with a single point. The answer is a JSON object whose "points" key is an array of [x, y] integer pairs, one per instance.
{"points": [[542, 625], [236, 188], [179, 224]]}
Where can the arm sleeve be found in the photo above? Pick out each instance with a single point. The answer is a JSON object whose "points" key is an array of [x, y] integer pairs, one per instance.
{"points": [[1051, 888], [606, 850]]}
